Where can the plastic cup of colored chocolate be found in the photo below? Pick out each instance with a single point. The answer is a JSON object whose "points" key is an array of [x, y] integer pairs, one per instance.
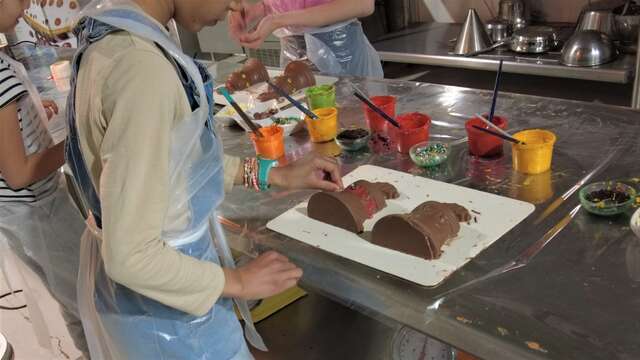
{"points": [[375, 122], [271, 144], [321, 96], [414, 129], [482, 144], [325, 128], [534, 157]]}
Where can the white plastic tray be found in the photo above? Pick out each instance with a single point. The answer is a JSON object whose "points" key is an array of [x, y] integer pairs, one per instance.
{"points": [[495, 216]]}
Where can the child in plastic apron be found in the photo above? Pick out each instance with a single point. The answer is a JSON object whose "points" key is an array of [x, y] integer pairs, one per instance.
{"points": [[125, 324], [150, 284], [336, 45], [38, 220]]}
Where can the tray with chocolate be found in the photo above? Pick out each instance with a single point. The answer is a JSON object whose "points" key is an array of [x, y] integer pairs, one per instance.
{"points": [[412, 227], [249, 79]]}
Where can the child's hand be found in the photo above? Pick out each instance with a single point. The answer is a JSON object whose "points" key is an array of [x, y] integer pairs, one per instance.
{"points": [[267, 275], [311, 172], [50, 107]]}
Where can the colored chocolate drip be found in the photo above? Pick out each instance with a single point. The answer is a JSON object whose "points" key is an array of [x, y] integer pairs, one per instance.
{"points": [[350, 208], [423, 232], [368, 202], [252, 72], [297, 75]]}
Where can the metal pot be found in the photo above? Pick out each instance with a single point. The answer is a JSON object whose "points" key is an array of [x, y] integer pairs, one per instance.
{"points": [[534, 40], [498, 30], [513, 12], [627, 28], [530, 40]]}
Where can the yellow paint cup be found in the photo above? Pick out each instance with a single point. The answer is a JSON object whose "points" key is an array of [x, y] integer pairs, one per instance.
{"points": [[325, 128], [534, 157]]}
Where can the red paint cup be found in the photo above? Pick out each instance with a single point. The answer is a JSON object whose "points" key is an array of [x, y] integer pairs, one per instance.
{"points": [[375, 122], [482, 144], [414, 128]]}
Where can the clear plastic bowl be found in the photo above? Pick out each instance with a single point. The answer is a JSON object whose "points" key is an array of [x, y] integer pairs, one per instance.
{"points": [[607, 207], [429, 153]]}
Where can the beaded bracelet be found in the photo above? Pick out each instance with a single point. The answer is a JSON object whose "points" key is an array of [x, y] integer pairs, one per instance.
{"points": [[250, 176], [256, 173]]}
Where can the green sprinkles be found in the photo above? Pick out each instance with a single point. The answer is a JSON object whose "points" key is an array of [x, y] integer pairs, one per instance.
{"points": [[431, 150], [430, 155], [284, 120]]}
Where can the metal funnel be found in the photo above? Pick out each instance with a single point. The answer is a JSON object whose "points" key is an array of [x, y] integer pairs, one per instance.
{"points": [[473, 35]]}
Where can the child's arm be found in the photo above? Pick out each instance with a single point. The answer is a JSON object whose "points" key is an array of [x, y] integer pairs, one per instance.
{"points": [[316, 16], [18, 169]]}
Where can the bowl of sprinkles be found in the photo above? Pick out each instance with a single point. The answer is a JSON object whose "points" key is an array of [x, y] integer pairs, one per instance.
{"points": [[607, 198], [290, 124], [354, 139], [429, 154]]}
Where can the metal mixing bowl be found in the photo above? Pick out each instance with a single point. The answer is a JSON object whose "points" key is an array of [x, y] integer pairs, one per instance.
{"points": [[588, 48], [601, 20]]}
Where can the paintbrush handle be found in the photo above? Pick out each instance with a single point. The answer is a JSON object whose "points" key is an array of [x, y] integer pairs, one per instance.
{"points": [[492, 125], [293, 101], [508, 138], [495, 91], [376, 109], [254, 128]]}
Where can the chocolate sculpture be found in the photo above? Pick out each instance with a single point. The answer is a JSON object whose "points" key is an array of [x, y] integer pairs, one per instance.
{"points": [[252, 72], [423, 232], [297, 75], [349, 208]]}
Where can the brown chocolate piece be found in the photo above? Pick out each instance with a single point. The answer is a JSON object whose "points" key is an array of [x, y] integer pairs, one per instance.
{"points": [[350, 208], [297, 75], [423, 232], [252, 72]]}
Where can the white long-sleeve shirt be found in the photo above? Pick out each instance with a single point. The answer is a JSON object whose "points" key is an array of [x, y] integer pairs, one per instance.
{"points": [[128, 100]]}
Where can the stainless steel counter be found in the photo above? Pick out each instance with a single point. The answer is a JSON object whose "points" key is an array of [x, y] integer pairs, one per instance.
{"points": [[429, 45], [561, 285]]}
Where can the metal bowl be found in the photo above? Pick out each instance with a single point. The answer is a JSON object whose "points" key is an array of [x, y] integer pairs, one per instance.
{"points": [[588, 48], [599, 20], [627, 28]]}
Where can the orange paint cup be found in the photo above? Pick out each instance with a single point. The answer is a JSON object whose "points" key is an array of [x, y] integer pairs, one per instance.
{"points": [[271, 144], [325, 128]]}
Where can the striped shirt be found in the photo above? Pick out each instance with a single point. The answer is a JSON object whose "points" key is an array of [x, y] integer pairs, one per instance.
{"points": [[35, 136]]}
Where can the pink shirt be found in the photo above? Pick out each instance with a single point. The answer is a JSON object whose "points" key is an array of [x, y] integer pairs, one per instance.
{"points": [[284, 6]]}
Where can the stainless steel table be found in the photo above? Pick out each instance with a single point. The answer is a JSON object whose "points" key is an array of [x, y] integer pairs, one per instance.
{"points": [[430, 44], [561, 285]]}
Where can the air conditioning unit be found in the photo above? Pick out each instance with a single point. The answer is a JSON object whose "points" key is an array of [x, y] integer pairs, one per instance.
{"points": [[216, 39]]}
